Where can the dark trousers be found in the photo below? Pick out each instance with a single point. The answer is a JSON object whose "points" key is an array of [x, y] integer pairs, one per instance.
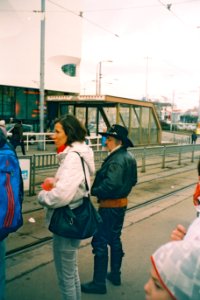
{"points": [[109, 234], [16, 143]]}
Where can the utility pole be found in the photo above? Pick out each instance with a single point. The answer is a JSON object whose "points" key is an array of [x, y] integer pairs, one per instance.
{"points": [[147, 78], [42, 70], [99, 76], [199, 107], [97, 79], [172, 111]]}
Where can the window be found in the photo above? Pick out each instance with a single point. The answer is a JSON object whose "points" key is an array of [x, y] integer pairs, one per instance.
{"points": [[69, 69]]}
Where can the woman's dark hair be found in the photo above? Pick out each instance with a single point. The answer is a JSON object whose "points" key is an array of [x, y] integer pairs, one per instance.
{"points": [[73, 128]]}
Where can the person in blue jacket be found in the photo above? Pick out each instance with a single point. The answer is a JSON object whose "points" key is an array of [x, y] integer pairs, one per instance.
{"points": [[3, 229], [112, 184]]}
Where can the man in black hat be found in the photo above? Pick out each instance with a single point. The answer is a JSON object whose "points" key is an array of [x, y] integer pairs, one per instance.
{"points": [[112, 184]]}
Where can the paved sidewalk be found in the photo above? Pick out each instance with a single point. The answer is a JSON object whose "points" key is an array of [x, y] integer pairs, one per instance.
{"points": [[144, 231]]}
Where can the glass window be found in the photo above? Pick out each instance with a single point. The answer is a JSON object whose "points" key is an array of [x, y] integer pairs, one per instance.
{"points": [[111, 114], [124, 115], [7, 101], [69, 69]]}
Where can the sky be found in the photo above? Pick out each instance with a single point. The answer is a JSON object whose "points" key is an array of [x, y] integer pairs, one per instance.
{"points": [[147, 49]]}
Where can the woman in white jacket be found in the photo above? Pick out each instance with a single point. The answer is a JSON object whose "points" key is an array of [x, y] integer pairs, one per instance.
{"points": [[68, 187]]}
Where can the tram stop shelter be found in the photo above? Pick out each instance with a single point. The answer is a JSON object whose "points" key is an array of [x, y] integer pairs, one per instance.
{"points": [[99, 112]]}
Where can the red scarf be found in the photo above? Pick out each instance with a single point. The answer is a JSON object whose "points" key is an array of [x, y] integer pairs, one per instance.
{"points": [[61, 148]]}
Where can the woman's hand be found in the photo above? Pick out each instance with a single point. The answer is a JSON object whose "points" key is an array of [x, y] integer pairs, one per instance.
{"points": [[48, 183]]}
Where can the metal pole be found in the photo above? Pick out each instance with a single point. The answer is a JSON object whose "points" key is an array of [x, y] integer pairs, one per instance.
{"points": [[146, 83], [97, 80], [199, 107], [42, 69], [42, 50], [172, 111], [100, 76]]}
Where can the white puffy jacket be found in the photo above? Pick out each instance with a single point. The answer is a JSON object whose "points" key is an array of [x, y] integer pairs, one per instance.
{"points": [[69, 179]]}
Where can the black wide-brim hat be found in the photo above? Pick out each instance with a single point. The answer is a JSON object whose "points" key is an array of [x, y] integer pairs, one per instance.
{"points": [[119, 132]]}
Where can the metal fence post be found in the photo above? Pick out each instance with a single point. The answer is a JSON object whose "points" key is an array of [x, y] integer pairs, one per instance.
{"points": [[192, 160], [163, 157], [31, 175], [32, 189], [143, 162], [179, 156]]}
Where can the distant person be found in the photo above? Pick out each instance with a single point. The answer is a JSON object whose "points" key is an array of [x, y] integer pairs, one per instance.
{"points": [[50, 126], [112, 185], [17, 136], [3, 127], [103, 141], [175, 272], [11, 120], [194, 137]]}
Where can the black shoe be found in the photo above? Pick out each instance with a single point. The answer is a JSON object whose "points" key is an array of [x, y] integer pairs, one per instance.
{"points": [[115, 279], [93, 288]]}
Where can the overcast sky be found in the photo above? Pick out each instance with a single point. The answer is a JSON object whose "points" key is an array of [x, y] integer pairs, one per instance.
{"points": [[154, 47]]}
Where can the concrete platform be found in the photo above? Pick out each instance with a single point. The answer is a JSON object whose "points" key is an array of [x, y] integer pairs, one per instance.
{"points": [[144, 231]]}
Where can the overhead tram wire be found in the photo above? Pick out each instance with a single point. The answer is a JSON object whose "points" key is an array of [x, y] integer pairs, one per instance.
{"points": [[80, 15], [168, 6], [98, 10], [134, 7]]}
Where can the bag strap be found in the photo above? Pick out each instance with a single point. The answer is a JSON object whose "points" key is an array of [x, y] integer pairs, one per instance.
{"points": [[82, 162]]}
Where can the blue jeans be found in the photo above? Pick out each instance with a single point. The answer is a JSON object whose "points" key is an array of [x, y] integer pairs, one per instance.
{"points": [[65, 257], [2, 269]]}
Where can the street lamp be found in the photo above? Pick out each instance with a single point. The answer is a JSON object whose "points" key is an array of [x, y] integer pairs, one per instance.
{"points": [[147, 77], [99, 76], [199, 107]]}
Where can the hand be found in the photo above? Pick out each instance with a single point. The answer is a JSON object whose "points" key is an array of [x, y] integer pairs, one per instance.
{"points": [[48, 183], [178, 233]]}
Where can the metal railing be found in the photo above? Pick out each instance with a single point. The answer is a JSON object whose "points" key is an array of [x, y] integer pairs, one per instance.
{"points": [[31, 138], [164, 152], [142, 155]]}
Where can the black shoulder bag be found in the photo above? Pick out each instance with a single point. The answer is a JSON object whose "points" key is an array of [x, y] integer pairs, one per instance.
{"points": [[79, 223]]}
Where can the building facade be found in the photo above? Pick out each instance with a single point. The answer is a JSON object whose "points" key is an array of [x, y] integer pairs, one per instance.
{"points": [[20, 54]]}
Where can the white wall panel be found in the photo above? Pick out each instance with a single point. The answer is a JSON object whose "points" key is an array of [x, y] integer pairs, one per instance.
{"points": [[20, 43]]}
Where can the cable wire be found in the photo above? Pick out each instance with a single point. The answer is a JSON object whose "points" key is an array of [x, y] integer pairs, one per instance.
{"points": [[80, 14]]}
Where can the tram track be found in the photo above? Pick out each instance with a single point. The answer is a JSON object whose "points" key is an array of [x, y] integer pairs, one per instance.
{"points": [[143, 178], [154, 185], [28, 247], [47, 239], [157, 199]]}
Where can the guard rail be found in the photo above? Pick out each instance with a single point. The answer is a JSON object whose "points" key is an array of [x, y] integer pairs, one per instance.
{"points": [[45, 138], [142, 155]]}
